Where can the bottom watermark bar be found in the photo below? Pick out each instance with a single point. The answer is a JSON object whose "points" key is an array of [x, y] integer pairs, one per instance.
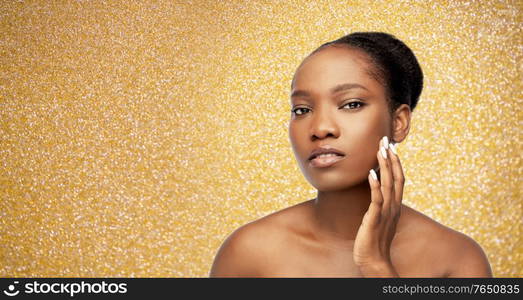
{"points": [[324, 288]]}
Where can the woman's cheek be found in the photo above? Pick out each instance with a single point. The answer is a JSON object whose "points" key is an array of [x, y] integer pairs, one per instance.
{"points": [[294, 139]]}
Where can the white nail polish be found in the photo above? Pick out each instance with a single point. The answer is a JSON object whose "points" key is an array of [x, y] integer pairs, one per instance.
{"points": [[386, 142], [373, 174], [393, 148], [383, 152]]}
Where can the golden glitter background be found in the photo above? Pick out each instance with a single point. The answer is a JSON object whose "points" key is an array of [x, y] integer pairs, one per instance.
{"points": [[135, 137]]}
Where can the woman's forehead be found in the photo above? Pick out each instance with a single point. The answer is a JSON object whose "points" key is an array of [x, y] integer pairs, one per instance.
{"points": [[333, 66]]}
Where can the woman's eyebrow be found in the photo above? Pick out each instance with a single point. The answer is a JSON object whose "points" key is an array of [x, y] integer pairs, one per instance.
{"points": [[336, 89], [347, 86]]}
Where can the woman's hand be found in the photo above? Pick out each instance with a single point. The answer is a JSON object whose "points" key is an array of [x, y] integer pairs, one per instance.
{"points": [[377, 229]]}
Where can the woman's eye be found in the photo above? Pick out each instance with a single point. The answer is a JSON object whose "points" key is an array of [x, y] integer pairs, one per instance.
{"points": [[353, 104], [299, 111], [302, 110]]}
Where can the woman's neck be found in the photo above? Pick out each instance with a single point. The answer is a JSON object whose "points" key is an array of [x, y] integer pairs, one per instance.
{"points": [[338, 214]]}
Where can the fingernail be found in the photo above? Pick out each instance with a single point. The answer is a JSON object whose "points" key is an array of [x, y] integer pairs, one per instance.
{"points": [[373, 174], [383, 152], [386, 142], [393, 148]]}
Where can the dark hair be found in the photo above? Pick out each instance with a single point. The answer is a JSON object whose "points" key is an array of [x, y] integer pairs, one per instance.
{"points": [[397, 67]]}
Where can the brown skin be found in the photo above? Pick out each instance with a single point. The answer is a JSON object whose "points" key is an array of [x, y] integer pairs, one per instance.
{"points": [[356, 226]]}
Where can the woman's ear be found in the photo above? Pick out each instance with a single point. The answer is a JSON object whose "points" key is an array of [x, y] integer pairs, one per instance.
{"points": [[401, 123]]}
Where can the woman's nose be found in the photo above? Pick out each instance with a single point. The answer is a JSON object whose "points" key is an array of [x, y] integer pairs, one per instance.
{"points": [[324, 125]]}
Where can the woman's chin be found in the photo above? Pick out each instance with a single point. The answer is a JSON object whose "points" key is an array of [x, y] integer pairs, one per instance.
{"points": [[326, 184]]}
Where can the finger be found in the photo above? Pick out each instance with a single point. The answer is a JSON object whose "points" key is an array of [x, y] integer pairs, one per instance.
{"points": [[374, 211], [397, 171], [386, 179]]}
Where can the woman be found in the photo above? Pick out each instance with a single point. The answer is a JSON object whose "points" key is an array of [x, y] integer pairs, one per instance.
{"points": [[352, 100]]}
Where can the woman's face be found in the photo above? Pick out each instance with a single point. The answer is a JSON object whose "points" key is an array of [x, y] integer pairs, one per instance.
{"points": [[337, 103]]}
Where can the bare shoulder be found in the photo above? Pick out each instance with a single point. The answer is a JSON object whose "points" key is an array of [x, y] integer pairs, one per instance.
{"points": [[248, 249], [456, 252]]}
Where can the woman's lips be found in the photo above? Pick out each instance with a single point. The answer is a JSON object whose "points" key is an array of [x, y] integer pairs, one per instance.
{"points": [[325, 161]]}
